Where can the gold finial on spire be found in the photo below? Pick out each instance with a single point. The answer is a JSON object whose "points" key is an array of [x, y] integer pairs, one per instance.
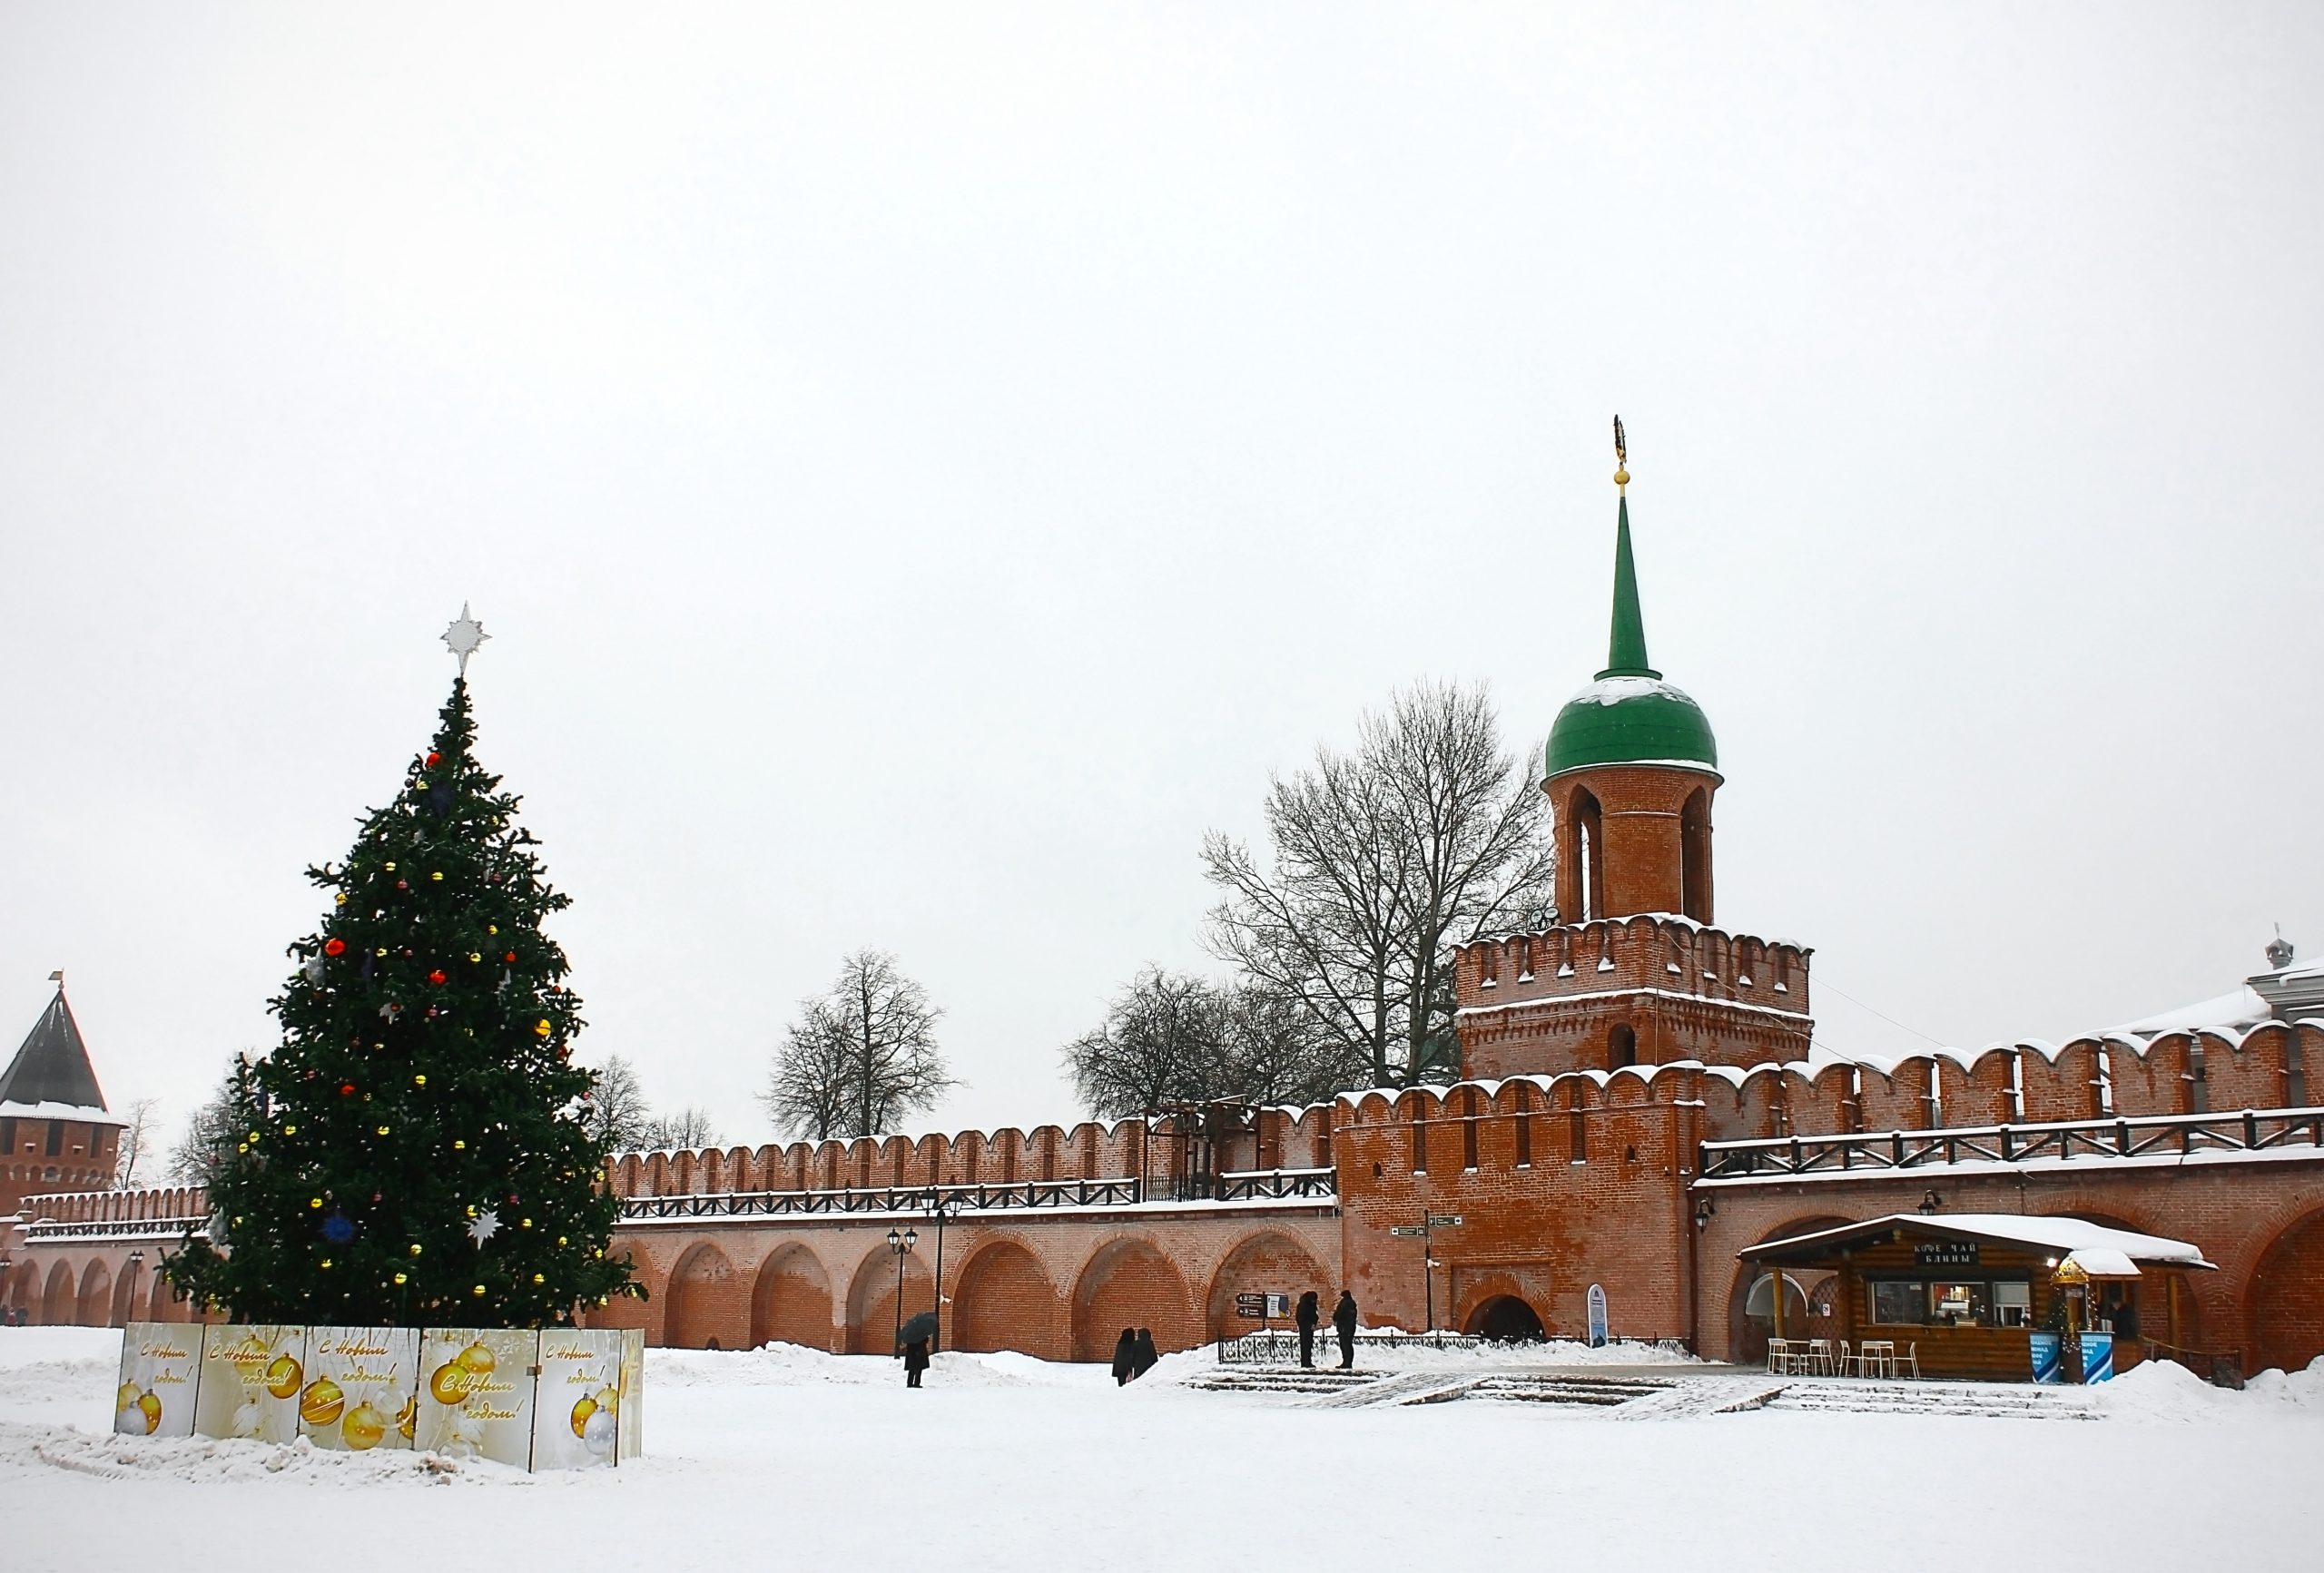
{"points": [[1621, 460]]}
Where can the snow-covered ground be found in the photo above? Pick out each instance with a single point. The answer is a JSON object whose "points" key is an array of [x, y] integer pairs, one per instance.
{"points": [[789, 1458]]}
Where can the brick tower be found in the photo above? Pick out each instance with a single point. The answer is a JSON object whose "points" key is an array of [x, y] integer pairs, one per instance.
{"points": [[55, 1134], [1635, 974]]}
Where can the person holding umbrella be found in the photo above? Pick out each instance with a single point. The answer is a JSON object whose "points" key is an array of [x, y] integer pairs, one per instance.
{"points": [[915, 1337]]}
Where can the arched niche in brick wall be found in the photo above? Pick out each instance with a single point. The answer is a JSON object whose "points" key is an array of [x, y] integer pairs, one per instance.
{"points": [[96, 1306], [790, 1299], [704, 1305], [1129, 1283], [2287, 1298], [1750, 1325], [1003, 1299], [1270, 1261], [872, 1301], [56, 1299]]}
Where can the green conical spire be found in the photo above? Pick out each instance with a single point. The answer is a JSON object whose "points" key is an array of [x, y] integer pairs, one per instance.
{"points": [[1626, 650]]}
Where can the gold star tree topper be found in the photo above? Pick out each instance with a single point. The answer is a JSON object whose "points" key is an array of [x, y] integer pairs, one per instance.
{"points": [[464, 635]]}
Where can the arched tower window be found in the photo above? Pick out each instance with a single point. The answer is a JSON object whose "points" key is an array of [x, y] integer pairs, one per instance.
{"points": [[1621, 1046], [1694, 857], [1589, 853]]}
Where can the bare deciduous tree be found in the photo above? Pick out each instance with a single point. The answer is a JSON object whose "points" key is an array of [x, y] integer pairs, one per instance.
{"points": [[860, 1057], [1173, 1038], [137, 1141], [688, 1130], [1159, 1044], [1428, 836], [209, 1135], [617, 1108]]}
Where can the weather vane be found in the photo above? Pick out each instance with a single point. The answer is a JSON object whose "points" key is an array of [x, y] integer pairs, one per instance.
{"points": [[464, 635], [1622, 459]]}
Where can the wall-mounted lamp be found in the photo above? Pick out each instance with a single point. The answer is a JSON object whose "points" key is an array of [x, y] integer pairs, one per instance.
{"points": [[1705, 1211]]}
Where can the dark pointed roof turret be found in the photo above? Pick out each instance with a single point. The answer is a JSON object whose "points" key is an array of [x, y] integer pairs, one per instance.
{"points": [[52, 1066]]}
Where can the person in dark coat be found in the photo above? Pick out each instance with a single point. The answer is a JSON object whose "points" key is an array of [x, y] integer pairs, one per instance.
{"points": [[915, 1361], [1344, 1324], [1309, 1314], [1146, 1357], [1125, 1356]]}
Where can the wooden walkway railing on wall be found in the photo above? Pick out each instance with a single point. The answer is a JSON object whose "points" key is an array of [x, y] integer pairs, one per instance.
{"points": [[1262, 1184], [2250, 1131]]}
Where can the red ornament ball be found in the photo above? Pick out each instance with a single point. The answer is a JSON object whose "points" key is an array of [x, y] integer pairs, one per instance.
{"points": [[402, 885], [434, 759], [512, 956], [347, 1089], [334, 947], [436, 977]]}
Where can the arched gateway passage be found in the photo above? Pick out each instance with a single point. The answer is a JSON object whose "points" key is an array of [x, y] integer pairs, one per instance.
{"points": [[1505, 1319]]}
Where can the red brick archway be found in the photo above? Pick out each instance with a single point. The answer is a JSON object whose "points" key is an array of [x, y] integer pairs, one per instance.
{"points": [[1002, 1300], [95, 1307], [1270, 1261], [792, 1302], [1129, 1283], [56, 1299], [2287, 1298], [705, 1306], [872, 1299], [1747, 1334]]}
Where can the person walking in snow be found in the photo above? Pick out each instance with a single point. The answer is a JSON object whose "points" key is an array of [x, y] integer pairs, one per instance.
{"points": [[1125, 1357], [1344, 1324], [1145, 1357], [1309, 1314], [915, 1361]]}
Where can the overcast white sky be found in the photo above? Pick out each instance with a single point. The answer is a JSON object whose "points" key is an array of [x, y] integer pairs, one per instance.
{"points": [[922, 466]]}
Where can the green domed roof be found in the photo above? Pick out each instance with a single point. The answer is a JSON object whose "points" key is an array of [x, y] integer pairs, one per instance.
{"points": [[1629, 720], [1628, 715]]}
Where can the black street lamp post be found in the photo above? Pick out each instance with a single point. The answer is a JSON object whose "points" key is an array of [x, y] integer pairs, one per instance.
{"points": [[942, 1205], [129, 1288], [900, 1246]]}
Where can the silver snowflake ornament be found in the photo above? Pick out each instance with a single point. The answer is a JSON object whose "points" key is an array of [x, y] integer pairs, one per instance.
{"points": [[463, 637], [487, 1224]]}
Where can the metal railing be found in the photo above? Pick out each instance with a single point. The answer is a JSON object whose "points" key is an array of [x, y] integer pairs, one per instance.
{"points": [[42, 1231], [1256, 1184], [2143, 1136], [1280, 1345]]}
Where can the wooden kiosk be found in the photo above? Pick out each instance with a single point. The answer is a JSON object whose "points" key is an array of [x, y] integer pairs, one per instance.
{"points": [[1966, 1294]]}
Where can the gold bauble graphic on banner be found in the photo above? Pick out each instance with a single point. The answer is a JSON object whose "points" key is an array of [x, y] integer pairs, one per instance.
{"points": [[320, 1404], [450, 1386], [477, 1359], [410, 1418], [139, 1412], [363, 1427], [608, 1400], [581, 1414], [127, 1397], [283, 1376]]}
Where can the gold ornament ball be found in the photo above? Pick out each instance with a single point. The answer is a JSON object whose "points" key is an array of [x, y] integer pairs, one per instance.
{"points": [[541, 1027], [127, 1397], [415, 1250], [420, 1080], [477, 1291], [450, 1386], [282, 1377], [399, 1278], [320, 1404], [608, 1400], [438, 876], [150, 1408], [363, 1429], [581, 1414], [477, 1359]]}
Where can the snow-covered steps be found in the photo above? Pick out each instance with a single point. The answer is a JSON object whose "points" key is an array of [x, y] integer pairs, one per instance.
{"points": [[1592, 1391], [1286, 1380], [1997, 1403]]}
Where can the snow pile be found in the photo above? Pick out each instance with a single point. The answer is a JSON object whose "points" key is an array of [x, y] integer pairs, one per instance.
{"points": [[2164, 1390], [199, 1459], [795, 1365]]}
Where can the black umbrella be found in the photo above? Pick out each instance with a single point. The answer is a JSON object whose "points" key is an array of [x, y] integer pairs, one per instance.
{"points": [[917, 1328]]}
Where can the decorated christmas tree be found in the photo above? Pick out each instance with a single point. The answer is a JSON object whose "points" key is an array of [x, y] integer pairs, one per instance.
{"points": [[414, 1151]]}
